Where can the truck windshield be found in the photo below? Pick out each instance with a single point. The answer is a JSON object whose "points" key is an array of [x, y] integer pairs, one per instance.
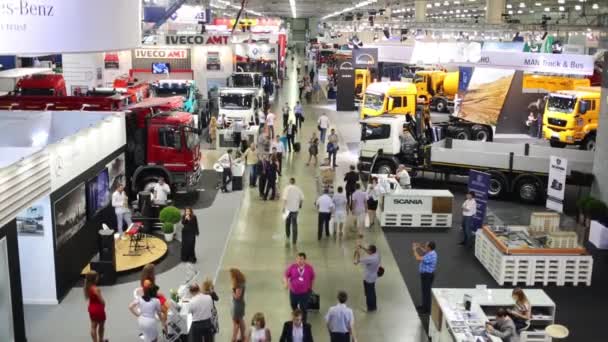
{"points": [[167, 90], [561, 104], [236, 101], [375, 131], [192, 140], [373, 101], [37, 92], [246, 81]]}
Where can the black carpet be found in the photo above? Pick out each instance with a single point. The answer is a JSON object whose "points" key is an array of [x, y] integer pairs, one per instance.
{"points": [[580, 308], [201, 199]]}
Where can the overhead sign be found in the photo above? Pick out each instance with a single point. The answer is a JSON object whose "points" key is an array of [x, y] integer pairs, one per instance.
{"points": [[556, 186], [257, 51], [64, 26], [190, 14], [479, 183], [538, 62], [364, 58], [435, 53], [161, 53], [196, 40]]}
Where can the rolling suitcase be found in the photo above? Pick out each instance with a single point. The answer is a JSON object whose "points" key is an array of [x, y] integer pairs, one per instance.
{"points": [[314, 302], [297, 146]]}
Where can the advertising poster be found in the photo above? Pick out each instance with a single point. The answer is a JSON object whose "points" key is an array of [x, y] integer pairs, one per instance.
{"points": [[556, 186], [98, 192], [485, 96], [111, 60], [345, 99], [479, 183], [116, 172], [213, 61], [31, 221], [70, 215]]}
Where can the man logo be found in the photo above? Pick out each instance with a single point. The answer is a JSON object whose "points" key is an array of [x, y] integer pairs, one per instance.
{"points": [[407, 201], [558, 161]]}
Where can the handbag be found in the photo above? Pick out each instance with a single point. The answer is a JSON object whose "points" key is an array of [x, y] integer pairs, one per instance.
{"points": [[380, 271], [215, 322]]}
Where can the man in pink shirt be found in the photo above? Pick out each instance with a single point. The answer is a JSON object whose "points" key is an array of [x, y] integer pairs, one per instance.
{"points": [[299, 279]]}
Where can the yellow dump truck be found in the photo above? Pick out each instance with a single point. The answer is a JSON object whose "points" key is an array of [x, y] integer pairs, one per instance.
{"points": [[571, 117], [437, 88], [393, 98]]}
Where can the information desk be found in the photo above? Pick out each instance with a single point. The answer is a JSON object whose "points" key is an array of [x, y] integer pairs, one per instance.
{"points": [[450, 322], [238, 170], [417, 208], [508, 262], [225, 137]]}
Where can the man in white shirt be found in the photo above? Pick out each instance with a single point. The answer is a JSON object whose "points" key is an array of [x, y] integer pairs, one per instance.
{"points": [[200, 307], [323, 125], [161, 192], [340, 203], [226, 162], [261, 119], [299, 113], [285, 111], [270, 123], [403, 177], [292, 203], [341, 321], [278, 145], [469, 209], [325, 206], [120, 202]]}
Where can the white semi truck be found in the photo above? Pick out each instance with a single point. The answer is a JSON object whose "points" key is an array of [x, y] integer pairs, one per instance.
{"points": [[519, 169], [239, 104]]}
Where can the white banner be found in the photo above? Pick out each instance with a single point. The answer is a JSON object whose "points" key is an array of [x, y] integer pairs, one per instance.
{"points": [[538, 62], [56, 26], [161, 53], [556, 185]]}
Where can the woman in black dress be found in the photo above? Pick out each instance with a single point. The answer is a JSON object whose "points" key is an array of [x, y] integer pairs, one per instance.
{"points": [[189, 234]]}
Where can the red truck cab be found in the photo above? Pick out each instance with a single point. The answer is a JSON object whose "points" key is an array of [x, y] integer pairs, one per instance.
{"points": [[41, 85]]}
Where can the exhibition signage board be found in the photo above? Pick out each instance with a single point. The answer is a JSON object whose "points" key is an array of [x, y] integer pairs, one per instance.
{"points": [[538, 62], [180, 39], [464, 78], [365, 58], [556, 186], [161, 53], [479, 183], [345, 99], [64, 26], [408, 204]]}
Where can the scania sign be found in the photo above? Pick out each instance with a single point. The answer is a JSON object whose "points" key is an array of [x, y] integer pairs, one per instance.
{"points": [[161, 53], [196, 40], [407, 201]]}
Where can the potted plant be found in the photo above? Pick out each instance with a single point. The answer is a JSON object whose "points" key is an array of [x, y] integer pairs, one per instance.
{"points": [[169, 216], [581, 205]]}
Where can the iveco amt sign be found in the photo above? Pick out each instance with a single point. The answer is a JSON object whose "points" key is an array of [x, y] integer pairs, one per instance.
{"points": [[196, 40], [63, 26]]}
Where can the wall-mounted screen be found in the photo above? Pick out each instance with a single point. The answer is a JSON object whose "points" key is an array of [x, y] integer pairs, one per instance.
{"points": [[161, 68]]}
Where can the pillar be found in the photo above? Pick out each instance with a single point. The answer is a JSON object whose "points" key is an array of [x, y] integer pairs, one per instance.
{"points": [[599, 189], [494, 11], [420, 10]]}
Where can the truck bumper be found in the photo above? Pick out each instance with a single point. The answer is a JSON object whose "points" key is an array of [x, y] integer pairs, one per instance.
{"points": [[563, 136]]}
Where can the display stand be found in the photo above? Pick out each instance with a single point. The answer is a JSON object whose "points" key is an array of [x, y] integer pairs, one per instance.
{"points": [[225, 137], [417, 208], [450, 322]]}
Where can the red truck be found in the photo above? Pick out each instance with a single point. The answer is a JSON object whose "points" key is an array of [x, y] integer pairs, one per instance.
{"points": [[161, 141], [41, 85], [130, 88]]}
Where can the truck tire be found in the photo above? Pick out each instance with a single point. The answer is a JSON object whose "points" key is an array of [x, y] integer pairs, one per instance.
{"points": [[498, 185], [557, 144], [441, 106], [480, 133], [529, 189], [589, 142], [460, 133], [384, 167]]}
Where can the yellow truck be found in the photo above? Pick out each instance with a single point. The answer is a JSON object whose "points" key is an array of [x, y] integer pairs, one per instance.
{"points": [[363, 78], [437, 88], [571, 117], [393, 98]]}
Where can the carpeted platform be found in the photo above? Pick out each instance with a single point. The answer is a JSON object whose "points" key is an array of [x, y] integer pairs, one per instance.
{"points": [[580, 308]]}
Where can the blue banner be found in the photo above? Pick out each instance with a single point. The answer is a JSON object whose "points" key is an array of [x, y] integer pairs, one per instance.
{"points": [[464, 78], [479, 183]]}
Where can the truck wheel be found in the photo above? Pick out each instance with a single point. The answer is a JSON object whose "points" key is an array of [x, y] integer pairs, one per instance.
{"points": [[461, 133], [498, 185], [557, 144], [441, 106], [384, 168], [480, 133], [528, 190], [146, 183], [589, 143]]}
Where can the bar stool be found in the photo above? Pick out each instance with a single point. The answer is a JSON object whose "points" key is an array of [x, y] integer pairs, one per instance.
{"points": [[557, 331]]}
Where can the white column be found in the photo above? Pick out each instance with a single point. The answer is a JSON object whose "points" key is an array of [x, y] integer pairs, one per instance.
{"points": [[494, 11], [420, 11]]}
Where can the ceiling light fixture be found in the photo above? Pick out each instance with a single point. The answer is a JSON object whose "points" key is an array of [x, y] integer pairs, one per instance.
{"points": [[537, 4], [547, 9], [292, 4], [348, 9], [522, 5], [510, 12], [429, 6], [446, 3], [561, 8], [595, 6], [561, 1], [509, 6], [520, 11], [577, 7]]}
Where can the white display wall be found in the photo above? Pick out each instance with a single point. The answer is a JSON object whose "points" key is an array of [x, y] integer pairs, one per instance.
{"points": [[124, 65], [199, 64], [82, 71], [6, 306], [36, 253]]}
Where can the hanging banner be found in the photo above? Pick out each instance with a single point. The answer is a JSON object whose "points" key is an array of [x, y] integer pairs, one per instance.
{"points": [[556, 186], [538, 62], [464, 78], [479, 183]]}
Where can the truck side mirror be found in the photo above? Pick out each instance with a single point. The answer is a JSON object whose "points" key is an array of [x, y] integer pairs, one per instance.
{"points": [[391, 104], [583, 106]]}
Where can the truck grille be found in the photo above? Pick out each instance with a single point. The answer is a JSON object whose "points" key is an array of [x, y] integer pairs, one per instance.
{"points": [[557, 122]]}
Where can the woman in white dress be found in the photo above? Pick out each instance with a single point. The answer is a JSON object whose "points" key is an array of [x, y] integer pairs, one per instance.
{"points": [[258, 331], [147, 309], [374, 192]]}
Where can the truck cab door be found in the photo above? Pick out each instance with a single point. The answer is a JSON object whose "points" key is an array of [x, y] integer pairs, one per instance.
{"points": [[166, 145]]}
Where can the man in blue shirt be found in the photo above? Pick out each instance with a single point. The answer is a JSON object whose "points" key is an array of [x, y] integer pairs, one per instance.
{"points": [[340, 321], [426, 255]]}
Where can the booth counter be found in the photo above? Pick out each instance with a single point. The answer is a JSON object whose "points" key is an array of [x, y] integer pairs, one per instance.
{"points": [[225, 137], [451, 322], [511, 255]]}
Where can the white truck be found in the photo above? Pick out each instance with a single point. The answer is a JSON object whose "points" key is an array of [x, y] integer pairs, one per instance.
{"points": [[252, 80], [239, 104], [518, 169]]}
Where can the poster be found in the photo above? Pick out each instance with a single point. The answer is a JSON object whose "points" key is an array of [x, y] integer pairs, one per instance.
{"points": [[116, 172], [70, 215], [556, 186], [31, 221], [98, 192], [479, 183], [213, 61]]}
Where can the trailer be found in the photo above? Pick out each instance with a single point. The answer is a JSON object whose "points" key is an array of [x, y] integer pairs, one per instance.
{"points": [[519, 169]]}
